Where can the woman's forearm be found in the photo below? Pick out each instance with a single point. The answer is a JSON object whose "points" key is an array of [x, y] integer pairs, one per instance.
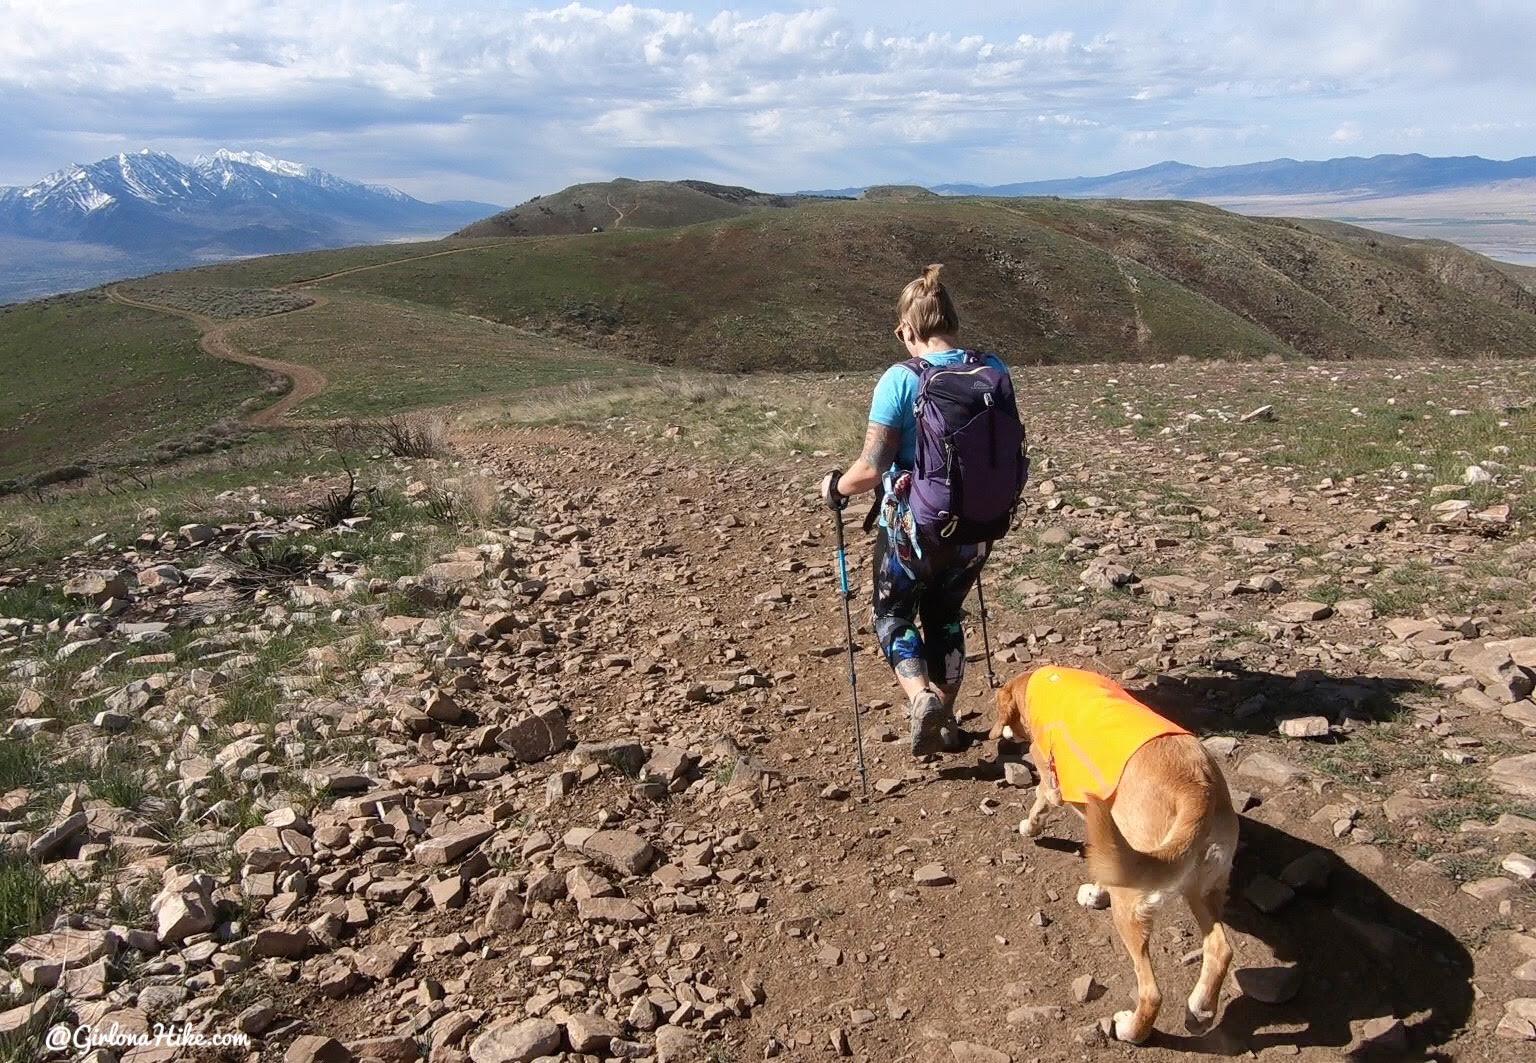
{"points": [[880, 445], [860, 477]]}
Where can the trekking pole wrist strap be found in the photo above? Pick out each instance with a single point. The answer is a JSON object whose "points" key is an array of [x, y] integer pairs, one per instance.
{"points": [[835, 498]]}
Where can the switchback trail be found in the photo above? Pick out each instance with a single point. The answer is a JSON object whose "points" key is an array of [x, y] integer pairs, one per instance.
{"points": [[215, 341], [307, 381]]}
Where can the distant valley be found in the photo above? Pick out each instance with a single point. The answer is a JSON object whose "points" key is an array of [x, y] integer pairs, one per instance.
{"points": [[137, 213]]}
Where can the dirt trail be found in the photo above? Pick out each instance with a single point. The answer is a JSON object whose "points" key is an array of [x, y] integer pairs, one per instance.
{"points": [[307, 381], [731, 585]]}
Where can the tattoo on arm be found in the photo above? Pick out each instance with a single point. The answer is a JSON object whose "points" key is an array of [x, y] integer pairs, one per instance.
{"points": [[880, 445]]}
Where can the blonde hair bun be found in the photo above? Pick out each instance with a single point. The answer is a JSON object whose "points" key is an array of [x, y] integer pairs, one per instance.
{"points": [[925, 305]]}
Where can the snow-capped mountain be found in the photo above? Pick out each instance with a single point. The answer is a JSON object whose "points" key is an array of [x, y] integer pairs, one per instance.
{"points": [[153, 210]]}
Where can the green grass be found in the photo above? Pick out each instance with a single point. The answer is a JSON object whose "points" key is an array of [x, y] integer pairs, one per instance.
{"points": [[88, 379], [722, 416], [1370, 755], [27, 896], [36, 601], [382, 356], [68, 516]]}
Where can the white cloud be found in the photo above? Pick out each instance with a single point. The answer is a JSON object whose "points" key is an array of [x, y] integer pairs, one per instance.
{"points": [[516, 99]]}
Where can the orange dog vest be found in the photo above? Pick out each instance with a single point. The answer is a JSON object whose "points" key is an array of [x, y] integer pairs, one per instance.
{"points": [[1087, 727]]}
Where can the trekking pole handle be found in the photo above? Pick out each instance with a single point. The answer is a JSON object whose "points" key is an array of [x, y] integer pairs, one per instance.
{"points": [[836, 500]]}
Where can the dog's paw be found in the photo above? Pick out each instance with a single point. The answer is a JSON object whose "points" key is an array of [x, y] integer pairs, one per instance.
{"points": [[1199, 1015], [1125, 1028], [1092, 895], [1031, 828]]}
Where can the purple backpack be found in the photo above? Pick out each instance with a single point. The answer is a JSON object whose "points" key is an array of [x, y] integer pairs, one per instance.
{"points": [[971, 464]]}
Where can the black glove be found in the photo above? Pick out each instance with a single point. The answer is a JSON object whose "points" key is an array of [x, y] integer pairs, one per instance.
{"points": [[836, 499]]}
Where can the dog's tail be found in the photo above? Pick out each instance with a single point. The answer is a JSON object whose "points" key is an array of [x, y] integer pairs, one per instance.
{"points": [[1114, 862]]}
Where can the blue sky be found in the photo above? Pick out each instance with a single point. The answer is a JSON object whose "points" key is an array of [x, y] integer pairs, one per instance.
{"points": [[500, 101]]}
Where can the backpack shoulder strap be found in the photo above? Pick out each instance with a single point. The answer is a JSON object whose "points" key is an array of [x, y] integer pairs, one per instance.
{"points": [[917, 366]]}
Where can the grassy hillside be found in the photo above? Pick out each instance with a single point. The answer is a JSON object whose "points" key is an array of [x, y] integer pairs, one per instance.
{"points": [[87, 379], [625, 204], [383, 356], [1040, 280], [763, 288]]}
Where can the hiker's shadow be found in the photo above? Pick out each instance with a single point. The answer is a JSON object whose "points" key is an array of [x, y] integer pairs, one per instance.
{"points": [[1241, 699], [1360, 953]]}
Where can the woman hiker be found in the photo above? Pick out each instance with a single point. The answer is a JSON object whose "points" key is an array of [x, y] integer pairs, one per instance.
{"points": [[923, 568]]}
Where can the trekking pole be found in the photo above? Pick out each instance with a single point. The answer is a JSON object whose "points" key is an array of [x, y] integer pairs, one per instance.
{"points": [[986, 642], [853, 673]]}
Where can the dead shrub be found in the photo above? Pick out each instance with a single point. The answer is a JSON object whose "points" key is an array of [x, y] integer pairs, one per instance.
{"points": [[473, 499], [413, 435]]}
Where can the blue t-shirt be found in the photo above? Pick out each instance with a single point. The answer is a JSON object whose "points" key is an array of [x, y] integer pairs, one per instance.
{"points": [[896, 394]]}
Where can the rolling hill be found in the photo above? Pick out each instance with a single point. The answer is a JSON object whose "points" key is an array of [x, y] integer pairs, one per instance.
{"points": [[1043, 280], [627, 204], [807, 286]]}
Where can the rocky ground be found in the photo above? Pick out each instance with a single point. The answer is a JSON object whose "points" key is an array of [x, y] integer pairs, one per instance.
{"points": [[581, 787]]}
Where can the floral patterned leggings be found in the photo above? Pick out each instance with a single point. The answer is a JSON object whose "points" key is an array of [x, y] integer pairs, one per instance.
{"points": [[929, 591]]}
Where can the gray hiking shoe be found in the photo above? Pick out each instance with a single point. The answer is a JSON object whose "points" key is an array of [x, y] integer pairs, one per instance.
{"points": [[950, 734], [928, 723]]}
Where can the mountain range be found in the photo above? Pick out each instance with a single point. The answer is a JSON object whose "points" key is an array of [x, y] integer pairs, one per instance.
{"points": [[134, 213], [1488, 205], [1376, 176]]}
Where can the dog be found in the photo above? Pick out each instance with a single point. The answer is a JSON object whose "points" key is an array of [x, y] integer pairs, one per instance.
{"points": [[1158, 816]]}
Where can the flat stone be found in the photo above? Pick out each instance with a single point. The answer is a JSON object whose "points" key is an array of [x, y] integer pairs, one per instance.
{"points": [[536, 736], [1304, 727], [513, 1040], [1384, 1035], [51, 841], [1401, 806], [620, 910], [1029, 1014], [315, 1048], [932, 875], [1519, 1020], [1522, 713], [1515, 775], [1519, 865], [1270, 985], [1269, 768], [290, 942], [1268, 895], [1308, 872], [1086, 987], [590, 1033], [452, 846], [391, 1048], [1490, 889], [625, 754], [72, 948], [676, 1045], [1302, 612], [96, 587], [622, 850]]}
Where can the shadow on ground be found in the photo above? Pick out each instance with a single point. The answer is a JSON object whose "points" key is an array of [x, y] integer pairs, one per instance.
{"points": [[1238, 699], [1361, 955]]}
